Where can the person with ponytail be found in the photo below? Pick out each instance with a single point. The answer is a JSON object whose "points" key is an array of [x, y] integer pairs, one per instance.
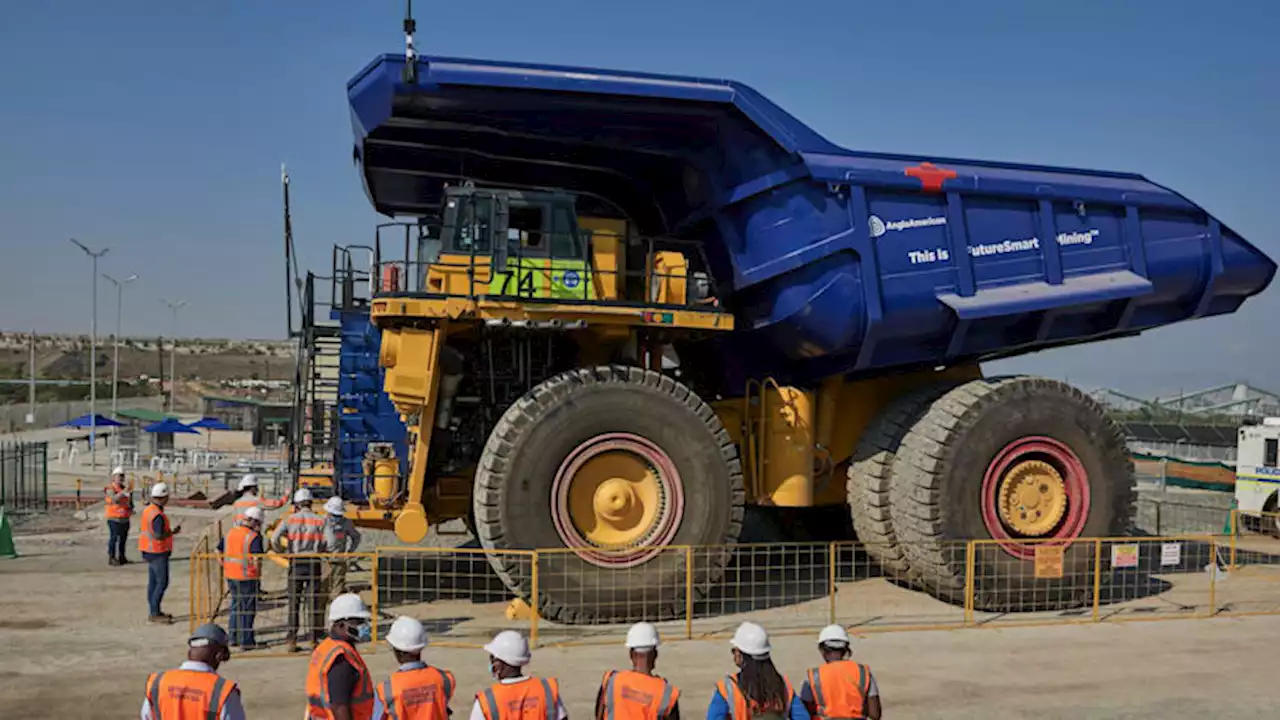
{"points": [[758, 691]]}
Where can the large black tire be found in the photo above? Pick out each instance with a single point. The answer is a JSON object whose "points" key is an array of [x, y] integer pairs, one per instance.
{"points": [[936, 498], [870, 476], [513, 488]]}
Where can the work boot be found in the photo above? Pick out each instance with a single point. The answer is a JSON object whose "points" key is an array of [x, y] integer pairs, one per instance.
{"points": [[112, 561], [160, 619], [124, 561], [291, 644]]}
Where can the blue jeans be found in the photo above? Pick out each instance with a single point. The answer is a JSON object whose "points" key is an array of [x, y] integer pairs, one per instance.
{"points": [[157, 579], [244, 605], [119, 530]]}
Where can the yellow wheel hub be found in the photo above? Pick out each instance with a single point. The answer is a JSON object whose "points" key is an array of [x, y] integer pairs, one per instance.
{"points": [[615, 499], [1032, 498]]}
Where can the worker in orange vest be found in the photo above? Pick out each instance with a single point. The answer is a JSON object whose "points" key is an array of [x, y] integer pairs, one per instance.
{"points": [[638, 693], [117, 509], [248, 497], [416, 691], [338, 683], [840, 688], [155, 542], [195, 691], [242, 551], [758, 691], [514, 696]]}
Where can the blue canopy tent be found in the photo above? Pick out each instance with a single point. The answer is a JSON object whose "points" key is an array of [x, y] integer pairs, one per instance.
{"points": [[165, 430], [210, 424], [92, 423]]}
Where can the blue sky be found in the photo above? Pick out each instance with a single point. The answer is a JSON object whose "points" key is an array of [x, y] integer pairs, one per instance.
{"points": [[157, 129]]}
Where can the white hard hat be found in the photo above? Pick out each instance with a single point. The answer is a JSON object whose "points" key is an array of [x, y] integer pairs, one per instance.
{"points": [[302, 495], [333, 506], [834, 635], [752, 640], [159, 490], [253, 513], [118, 471], [510, 647], [642, 636], [407, 635], [348, 606], [248, 481]]}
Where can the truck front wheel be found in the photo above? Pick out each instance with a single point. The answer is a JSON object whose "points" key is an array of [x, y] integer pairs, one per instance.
{"points": [[603, 469]]}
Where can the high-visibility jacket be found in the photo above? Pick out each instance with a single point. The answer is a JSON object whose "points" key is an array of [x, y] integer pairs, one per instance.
{"points": [[305, 532], [742, 708], [147, 541], [187, 694], [421, 694], [840, 689], [631, 695], [117, 505], [237, 560], [532, 699], [319, 703]]}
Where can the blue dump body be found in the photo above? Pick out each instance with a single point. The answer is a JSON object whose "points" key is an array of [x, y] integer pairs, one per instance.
{"points": [[832, 260], [365, 413]]}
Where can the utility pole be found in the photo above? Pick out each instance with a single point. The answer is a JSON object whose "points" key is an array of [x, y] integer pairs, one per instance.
{"points": [[173, 351], [31, 387], [115, 365], [93, 357]]}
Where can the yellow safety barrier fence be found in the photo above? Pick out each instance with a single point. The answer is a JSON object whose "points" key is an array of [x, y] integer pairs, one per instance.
{"points": [[704, 592]]}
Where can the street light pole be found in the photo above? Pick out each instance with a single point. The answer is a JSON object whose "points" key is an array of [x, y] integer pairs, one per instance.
{"points": [[93, 357], [115, 364], [173, 351]]}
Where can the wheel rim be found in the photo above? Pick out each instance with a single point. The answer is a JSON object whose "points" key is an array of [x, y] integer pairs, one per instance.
{"points": [[617, 500], [1036, 488]]}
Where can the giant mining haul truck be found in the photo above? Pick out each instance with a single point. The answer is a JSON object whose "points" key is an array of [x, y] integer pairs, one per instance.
{"points": [[633, 305]]}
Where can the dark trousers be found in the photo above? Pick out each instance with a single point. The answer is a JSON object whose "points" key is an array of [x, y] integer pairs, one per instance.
{"points": [[305, 589], [244, 605], [157, 580], [119, 530]]}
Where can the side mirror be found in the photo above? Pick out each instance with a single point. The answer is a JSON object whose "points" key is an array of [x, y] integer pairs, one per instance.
{"points": [[501, 220]]}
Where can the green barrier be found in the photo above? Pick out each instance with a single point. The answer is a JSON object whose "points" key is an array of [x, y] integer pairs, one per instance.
{"points": [[7, 549]]}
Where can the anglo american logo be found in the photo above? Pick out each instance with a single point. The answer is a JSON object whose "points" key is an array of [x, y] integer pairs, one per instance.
{"points": [[880, 227]]}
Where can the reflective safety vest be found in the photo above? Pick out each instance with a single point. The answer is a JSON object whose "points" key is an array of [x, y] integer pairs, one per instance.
{"points": [[319, 703], [532, 699], [244, 503], [148, 542], [237, 560], [631, 695], [421, 694], [840, 689], [305, 532], [187, 694], [117, 509], [742, 708]]}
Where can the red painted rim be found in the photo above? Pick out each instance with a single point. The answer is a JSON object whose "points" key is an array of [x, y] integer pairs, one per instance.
{"points": [[1074, 477], [669, 516]]}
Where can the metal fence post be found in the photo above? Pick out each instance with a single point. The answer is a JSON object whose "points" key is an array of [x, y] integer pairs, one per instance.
{"points": [[377, 561], [1213, 578], [533, 597], [688, 593], [44, 474], [970, 548], [1158, 506], [831, 581], [1097, 578], [1235, 531]]}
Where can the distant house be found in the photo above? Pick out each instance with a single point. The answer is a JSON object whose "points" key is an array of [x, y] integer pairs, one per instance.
{"points": [[268, 421]]}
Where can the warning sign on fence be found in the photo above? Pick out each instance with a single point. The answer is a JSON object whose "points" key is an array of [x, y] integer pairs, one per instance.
{"points": [[1049, 561], [1171, 554], [1124, 556]]}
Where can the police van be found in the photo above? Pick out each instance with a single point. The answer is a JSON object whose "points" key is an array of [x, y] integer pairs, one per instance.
{"points": [[1258, 476]]}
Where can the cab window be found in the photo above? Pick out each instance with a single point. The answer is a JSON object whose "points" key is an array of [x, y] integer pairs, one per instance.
{"points": [[471, 230], [564, 234], [526, 231]]}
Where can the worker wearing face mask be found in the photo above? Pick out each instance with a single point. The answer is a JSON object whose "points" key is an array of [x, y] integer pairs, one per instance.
{"points": [[339, 686], [515, 696]]}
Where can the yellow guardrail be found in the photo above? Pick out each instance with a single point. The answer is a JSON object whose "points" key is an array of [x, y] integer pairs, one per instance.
{"points": [[690, 593]]}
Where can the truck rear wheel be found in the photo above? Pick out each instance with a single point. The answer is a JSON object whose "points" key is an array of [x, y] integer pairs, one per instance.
{"points": [[613, 464], [870, 477], [1017, 462]]}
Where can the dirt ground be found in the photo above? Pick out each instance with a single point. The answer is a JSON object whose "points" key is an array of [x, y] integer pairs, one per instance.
{"points": [[74, 637]]}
